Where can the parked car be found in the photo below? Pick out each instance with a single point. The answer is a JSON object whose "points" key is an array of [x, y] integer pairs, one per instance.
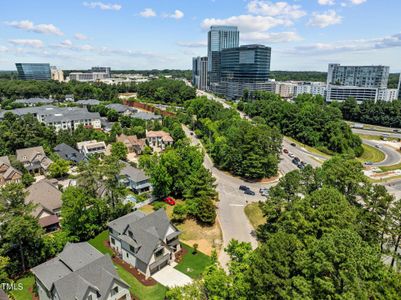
{"points": [[291, 155], [244, 188], [293, 144], [169, 201], [285, 151], [249, 192], [368, 163], [261, 190], [378, 146]]}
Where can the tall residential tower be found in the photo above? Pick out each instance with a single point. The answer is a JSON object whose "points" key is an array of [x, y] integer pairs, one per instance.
{"points": [[199, 72]]}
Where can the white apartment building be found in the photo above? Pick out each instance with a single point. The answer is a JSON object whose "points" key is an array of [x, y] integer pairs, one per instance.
{"points": [[57, 74], [313, 88]]}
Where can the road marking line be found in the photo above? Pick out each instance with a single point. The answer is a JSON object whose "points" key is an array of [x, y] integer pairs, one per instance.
{"points": [[236, 204]]}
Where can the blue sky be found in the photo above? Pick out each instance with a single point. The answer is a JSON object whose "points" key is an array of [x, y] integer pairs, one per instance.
{"points": [[147, 34]]}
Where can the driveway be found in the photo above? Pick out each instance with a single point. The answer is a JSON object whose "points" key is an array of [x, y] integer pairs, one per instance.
{"points": [[170, 277]]}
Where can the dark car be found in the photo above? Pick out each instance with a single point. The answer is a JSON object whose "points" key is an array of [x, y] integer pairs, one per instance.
{"points": [[244, 188], [249, 192], [293, 144]]}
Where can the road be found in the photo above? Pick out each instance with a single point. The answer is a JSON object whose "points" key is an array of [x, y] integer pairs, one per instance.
{"points": [[233, 221], [392, 157], [376, 133]]}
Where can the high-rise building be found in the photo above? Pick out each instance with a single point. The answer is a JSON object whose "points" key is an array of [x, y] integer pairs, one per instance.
{"points": [[98, 69], [219, 38], [33, 71], [399, 88], [361, 82], [199, 72], [57, 74], [244, 68], [360, 76]]}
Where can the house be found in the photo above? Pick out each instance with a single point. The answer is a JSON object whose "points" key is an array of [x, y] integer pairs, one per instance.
{"points": [[80, 272], [34, 159], [159, 139], [133, 144], [91, 147], [8, 174], [147, 242], [66, 152], [122, 109], [135, 179], [88, 102], [47, 198], [34, 101]]}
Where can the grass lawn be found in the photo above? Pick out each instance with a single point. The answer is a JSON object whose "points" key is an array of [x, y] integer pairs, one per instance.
{"points": [[391, 168], [24, 294], [371, 154], [376, 137], [154, 292], [193, 264], [98, 242], [255, 215], [207, 237]]}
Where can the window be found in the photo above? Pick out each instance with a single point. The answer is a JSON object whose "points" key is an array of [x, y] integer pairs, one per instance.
{"points": [[158, 253], [114, 290], [113, 241]]}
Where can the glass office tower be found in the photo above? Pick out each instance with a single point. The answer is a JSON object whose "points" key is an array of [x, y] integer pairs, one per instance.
{"points": [[33, 71], [245, 67], [219, 38]]}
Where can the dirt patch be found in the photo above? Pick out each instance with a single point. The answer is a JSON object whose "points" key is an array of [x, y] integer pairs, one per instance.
{"points": [[34, 296], [180, 255]]}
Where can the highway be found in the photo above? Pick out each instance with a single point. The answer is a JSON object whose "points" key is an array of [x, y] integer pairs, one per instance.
{"points": [[376, 133], [392, 157]]}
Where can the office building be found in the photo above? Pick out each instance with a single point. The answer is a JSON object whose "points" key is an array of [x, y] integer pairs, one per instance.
{"points": [[34, 71], [313, 88], [244, 68], [57, 74], [364, 83], [199, 72], [106, 70], [399, 88], [360, 76], [88, 77], [219, 38]]}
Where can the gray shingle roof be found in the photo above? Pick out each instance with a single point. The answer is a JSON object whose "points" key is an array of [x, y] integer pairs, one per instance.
{"points": [[145, 116], [46, 195], [136, 175], [34, 101], [120, 108], [76, 269], [88, 102], [149, 231], [68, 153]]}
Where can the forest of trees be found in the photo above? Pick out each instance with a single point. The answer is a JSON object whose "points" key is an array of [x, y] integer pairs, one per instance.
{"points": [[327, 232], [307, 120], [380, 113], [167, 91], [236, 145]]}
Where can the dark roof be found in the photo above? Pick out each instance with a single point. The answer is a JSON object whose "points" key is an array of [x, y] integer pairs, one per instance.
{"points": [[148, 231], [135, 174], [48, 221], [68, 153], [76, 269]]}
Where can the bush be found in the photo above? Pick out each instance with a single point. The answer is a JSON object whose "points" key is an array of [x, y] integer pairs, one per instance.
{"points": [[158, 204], [206, 211], [180, 213]]}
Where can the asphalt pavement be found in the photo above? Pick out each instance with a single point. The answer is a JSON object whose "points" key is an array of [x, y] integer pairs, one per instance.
{"points": [[392, 157]]}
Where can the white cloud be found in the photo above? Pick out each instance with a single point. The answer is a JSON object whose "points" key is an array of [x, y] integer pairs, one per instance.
{"points": [[178, 14], [66, 43], [352, 2], [103, 6], [248, 23], [39, 28], [80, 36], [3, 49], [148, 13], [268, 8], [386, 42], [325, 19], [326, 2], [197, 44], [27, 43], [271, 37]]}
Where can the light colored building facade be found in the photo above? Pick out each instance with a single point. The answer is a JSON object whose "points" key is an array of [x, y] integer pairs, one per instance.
{"points": [[91, 147], [313, 88], [159, 139], [200, 72], [88, 76], [8, 174], [57, 74], [364, 83]]}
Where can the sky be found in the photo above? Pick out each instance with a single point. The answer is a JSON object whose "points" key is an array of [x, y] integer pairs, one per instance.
{"points": [[305, 35]]}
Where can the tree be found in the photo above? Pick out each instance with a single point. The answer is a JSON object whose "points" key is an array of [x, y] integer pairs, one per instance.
{"points": [[82, 215], [20, 233], [59, 168], [119, 151], [180, 212], [4, 262], [205, 211]]}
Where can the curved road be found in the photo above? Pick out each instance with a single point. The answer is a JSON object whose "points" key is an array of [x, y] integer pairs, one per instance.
{"points": [[393, 157]]}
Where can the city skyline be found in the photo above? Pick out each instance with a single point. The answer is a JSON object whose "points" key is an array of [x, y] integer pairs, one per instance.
{"points": [[157, 34]]}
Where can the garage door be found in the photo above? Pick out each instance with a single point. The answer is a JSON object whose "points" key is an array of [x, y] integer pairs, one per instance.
{"points": [[159, 267]]}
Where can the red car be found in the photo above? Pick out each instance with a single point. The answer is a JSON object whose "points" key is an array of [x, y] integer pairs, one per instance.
{"points": [[285, 151], [169, 200]]}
